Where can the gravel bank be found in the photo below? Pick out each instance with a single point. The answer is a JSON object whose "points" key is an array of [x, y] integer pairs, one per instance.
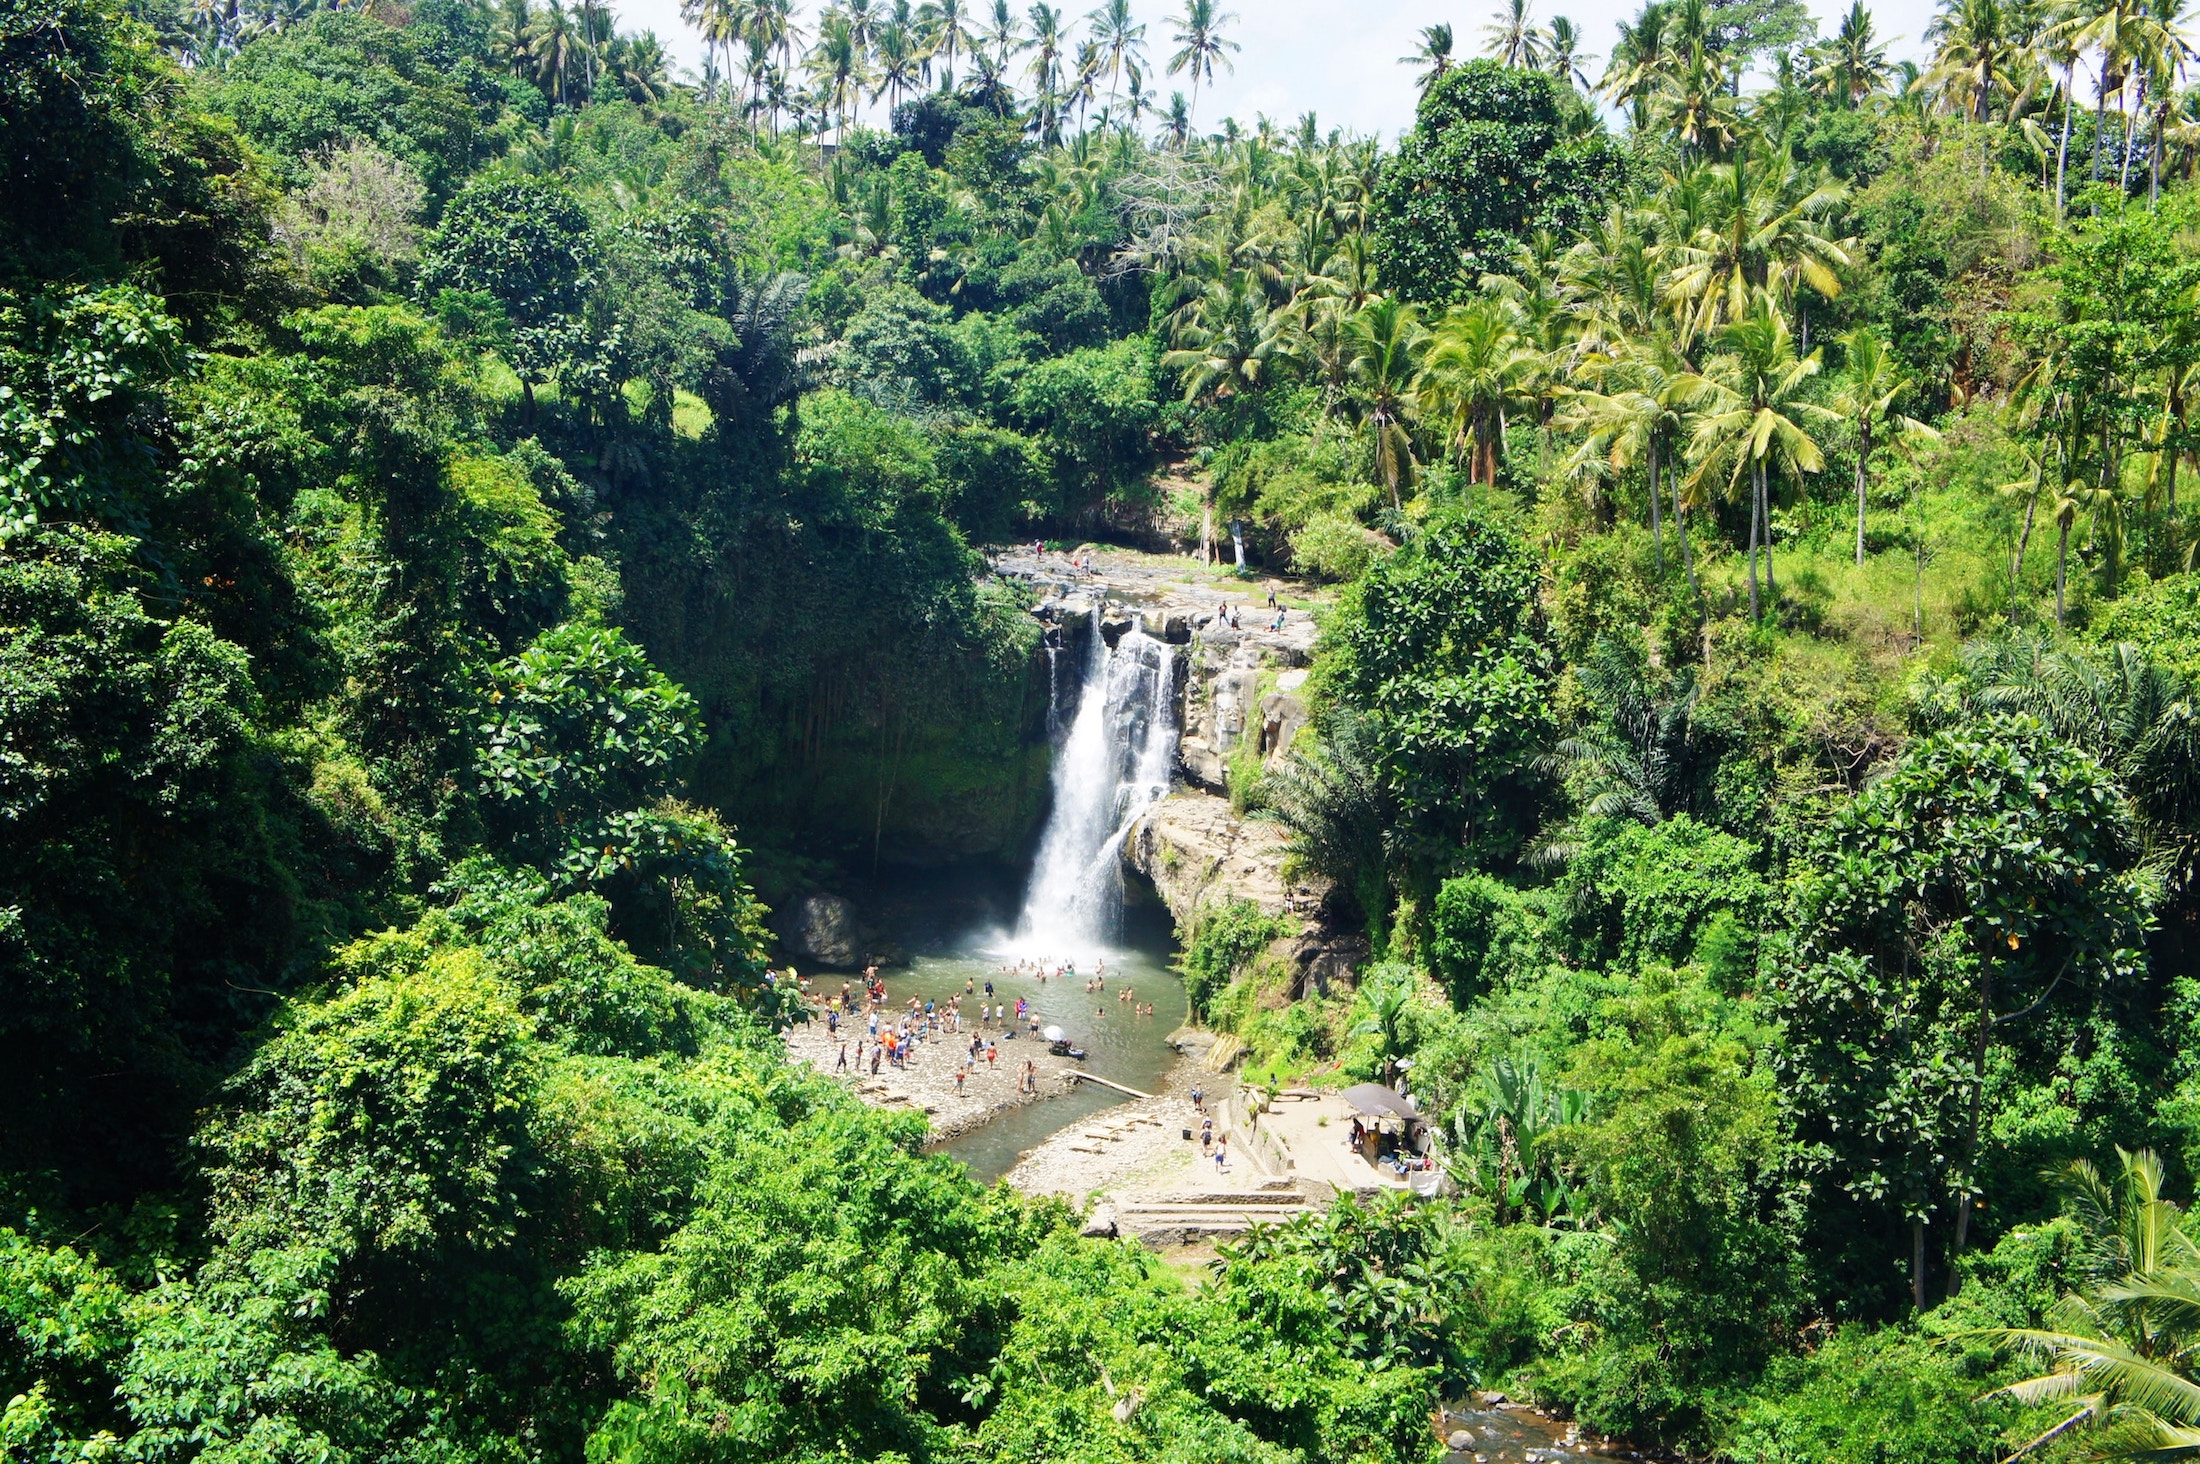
{"points": [[927, 1084], [1134, 1145]]}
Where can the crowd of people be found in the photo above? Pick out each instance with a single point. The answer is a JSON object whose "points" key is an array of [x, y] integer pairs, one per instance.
{"points": [[877, 1035]]}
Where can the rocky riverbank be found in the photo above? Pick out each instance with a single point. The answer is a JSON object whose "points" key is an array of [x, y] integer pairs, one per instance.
{"points": [[927, 1084], [1134, 1145]]}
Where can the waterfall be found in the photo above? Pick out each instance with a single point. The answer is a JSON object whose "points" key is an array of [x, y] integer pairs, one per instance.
{"points": [[1115, 763]]}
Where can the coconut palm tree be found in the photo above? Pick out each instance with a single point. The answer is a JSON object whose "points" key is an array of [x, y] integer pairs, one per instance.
{"points": [[946, 28], [2111, 29], [1474, 372], [1870, 385], [1514, 38], [1752, 419], [838, 67], [1567, 58], [514, 38], [1121, 37], [1226, 338], [1386, 342], [1045, 71], [1201, 46], [555, 45], [1761, 230], [1432, 55], [1640, 62], [2121, 1347], [1853, 64], [1176, 124], [1635, 417], [1003, 35]]}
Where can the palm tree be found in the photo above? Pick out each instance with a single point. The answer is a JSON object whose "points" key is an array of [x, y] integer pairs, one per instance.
{"points": [[642, 70], [1760, 230], [1639, 63], [1003, 35], [2121, 1347], [2163, 48], [1693, 104], [1638, 759], [1635, 419], [1121, 38], [946, 27], [1386, 1002], [1513, 38], [555, 43], [1226, 339], [1045, 71], [1974, 57], [1871, 383], [838, 66], [2109, 27], [1473, 372], [1201, 45], [1433, 55], [1751, 419], [1566, 56], [1176, 126], [1853, 64], [1342, 821], [900, 64], [514, 40], [1386, 342]]}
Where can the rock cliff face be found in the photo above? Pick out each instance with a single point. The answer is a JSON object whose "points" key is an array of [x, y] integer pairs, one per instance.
{"points": [[1195, 852], [1242, 693]]}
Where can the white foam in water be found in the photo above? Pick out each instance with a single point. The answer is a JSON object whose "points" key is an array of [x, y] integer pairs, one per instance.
{"points": [[1115, 764]]}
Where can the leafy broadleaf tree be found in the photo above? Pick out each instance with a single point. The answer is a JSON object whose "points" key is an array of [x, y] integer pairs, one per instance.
{"points": [[525, 244], [1444, 654], [1986, 880], [1488, 163]]}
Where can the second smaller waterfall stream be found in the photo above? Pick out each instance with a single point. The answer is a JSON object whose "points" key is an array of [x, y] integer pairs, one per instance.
{"points": [[1116, 762]]}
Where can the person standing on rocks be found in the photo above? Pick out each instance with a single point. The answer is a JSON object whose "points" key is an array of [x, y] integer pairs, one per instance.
{"points": [[843, 1064]]}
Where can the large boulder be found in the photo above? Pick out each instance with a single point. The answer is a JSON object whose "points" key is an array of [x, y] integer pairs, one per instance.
{"points": [[1197, 853], [1282, 715], [821, 928]]}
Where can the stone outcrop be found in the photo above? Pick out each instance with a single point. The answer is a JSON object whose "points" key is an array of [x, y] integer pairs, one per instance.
{"points": [[824, 930], [1195, 853]]}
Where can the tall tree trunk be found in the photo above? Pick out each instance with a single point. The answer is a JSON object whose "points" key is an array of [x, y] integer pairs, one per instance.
{"points": [[1971, 1128], [1688, 555], [1863, 456], [2062, 148], [2024, 543], [1756, 504], [1917, 1264], [1764, 496], [2131, 137], [1657, 529], [2062, 562], [2100, 126]]}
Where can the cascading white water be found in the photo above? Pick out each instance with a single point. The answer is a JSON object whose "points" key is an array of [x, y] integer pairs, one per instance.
{"points": [[1116, 762]]}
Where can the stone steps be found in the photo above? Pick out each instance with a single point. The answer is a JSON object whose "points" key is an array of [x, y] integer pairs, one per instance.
{"points": [[1184, 1216]]}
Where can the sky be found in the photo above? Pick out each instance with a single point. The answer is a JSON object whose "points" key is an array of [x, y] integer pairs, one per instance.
{"points": [[1336, 57]]}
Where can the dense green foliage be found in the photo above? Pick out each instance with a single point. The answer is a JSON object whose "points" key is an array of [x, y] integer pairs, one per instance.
{"points": [[452, 476]]}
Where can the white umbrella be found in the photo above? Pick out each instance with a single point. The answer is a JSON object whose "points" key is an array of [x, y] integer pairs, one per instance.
{"points": [[1055, 1034]]}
